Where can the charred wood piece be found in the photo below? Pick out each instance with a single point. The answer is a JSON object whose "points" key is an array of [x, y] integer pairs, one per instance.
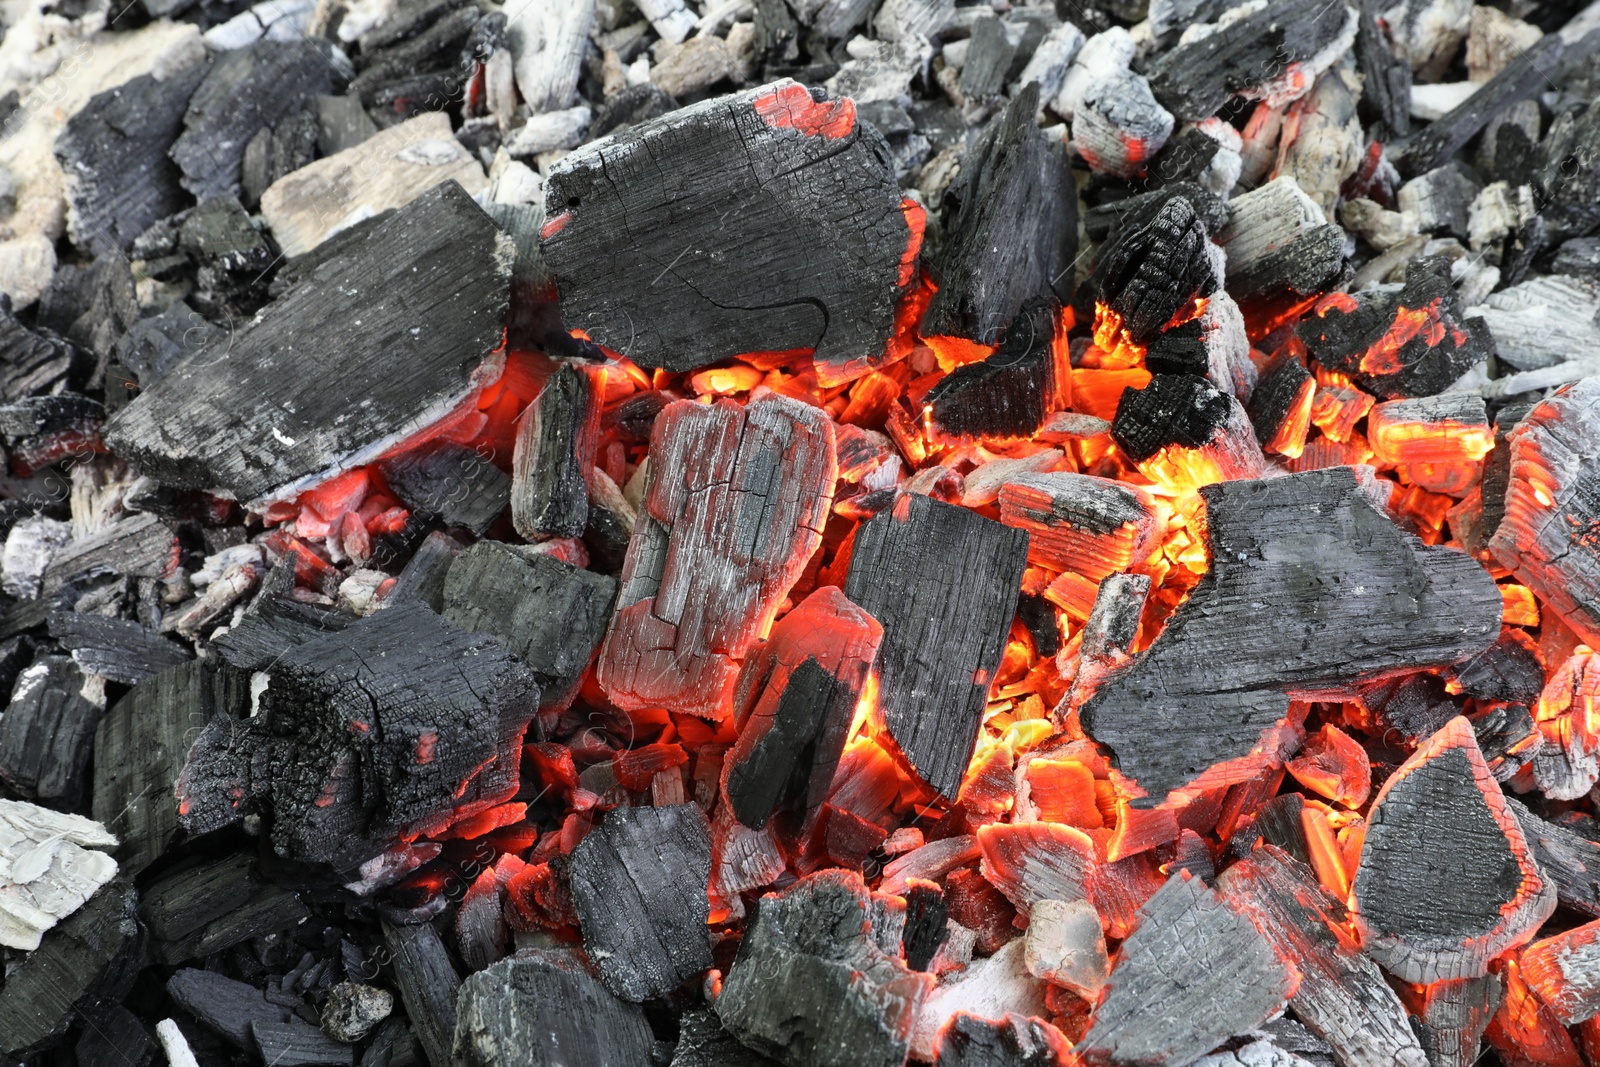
{"points": [[1562, 969], [1015, 1041], [1008, 394], [1117, 125], [1304, 268], [458, 484], [542, 1009], [1565, 857], [1148, 275], [554, 449], [53, 863], [1080, 523], [1451, 1016], [47, 732], [1280, 408], [1183, 413], [118, 649], [1387, 84], [429, 987]]}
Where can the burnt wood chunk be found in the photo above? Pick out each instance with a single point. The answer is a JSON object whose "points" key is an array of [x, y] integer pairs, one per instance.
{"points": [[1311, 588], [969, 1040], [1343, 997], [1386, 84], [274, 624], [139, 546], [1563, 970], [405, 318], [550, 614], [943, 581], [1187, 413], [33, 362], [554, 449], [1151, 272], [1008, 394], [1446, 880], [460, 485], [1193, 973], [1451, 1016], [400, 724], [734, 505], [428, 984], [639, 887], [812, 985], [1302, 268], [113, 1034], [297, 1043], [702, 1042], [47, 732], [541, 1009], [215, 905], [1565, 857], [1280, 407], [794, 706], [1010, 233], [753, 222], [926, 928], [1080, 523], [422, 578], [118, 649], [1550, 535]]}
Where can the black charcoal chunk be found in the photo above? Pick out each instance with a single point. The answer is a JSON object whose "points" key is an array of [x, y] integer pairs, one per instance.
{"points": [[429, 986], [423, 577], [1174, 409], [91, 306], [989, 55], [459, 484], [32, 362], [969, 1040], [224, 1005], [1277, 398], [926, 927], [702, 1042], [47, 732], [341, 123], [1310, 264], [1507, 670], [275, 624], [1386, 79], [554, 450], [117, 649], [1179, 350], [154, 345], [1567, 858], [542, 1009], [113, 1035], [1149, 274], [297, 1043], [1008, 394]]}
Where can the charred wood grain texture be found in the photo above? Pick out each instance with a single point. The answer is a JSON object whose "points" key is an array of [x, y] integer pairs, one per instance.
{"points": [[458, 484], [1010, 393], [969, 1040], [118, 649], [1173, 409], [1080, 523], [1564, 856], [1450, 1018], [542, 1009], [554, 450], [47, 732], [1149, 273], [1386, 84], [429, 987]]}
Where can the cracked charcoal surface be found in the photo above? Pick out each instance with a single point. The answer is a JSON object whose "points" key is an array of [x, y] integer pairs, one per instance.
{"points": [[1149, 274]]}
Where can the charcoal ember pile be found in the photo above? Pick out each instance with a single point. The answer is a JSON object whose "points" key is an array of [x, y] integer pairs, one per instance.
{"points": [[716, 533]]}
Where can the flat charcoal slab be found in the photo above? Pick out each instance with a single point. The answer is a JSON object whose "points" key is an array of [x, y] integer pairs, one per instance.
{"points": [[639, 887], [543, 1010], [1446, 880], [1553, 544], [758, 221], [118, 649], [734, 506], [1080, 523], [1311, 588], [944, 582], [1194, 973], [405, 319], [1565, 857]]}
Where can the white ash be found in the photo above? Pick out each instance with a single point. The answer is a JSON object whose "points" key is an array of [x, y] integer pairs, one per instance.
{"points": [[49, 867]]}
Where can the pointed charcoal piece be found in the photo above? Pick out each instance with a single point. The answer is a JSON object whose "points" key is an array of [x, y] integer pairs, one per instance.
{"points": [[926, 928], [1387, 79], [639, 242], [1507, 670], [1010, 233], [541, 1009], [458, 484], [399, 725], [733, 507], [1010, 393], [1550, 536], [1203, 426], [922, 568], [811, 986], [1446, 881], [554, 448], [1343, 997], [422, 578], [1077, 522], [406, 317], [550, 614], [244, 91], [297, 1043], [702, 1042], [1193, 973], [639, 887], [1149, 273], [429, 987], [794, 706], [1451, 1016], [1311, 588], [118, 649], [1280, 408], [223, 1005], [47, 732], [1016, 1041]]}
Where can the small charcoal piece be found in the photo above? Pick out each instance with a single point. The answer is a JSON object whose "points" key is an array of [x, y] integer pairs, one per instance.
{"points": [[202, 910], [297, 1043], [639, 887], [354, 1010], [702, 1042], [1080, 523], [52, 865], [1563, 971], [1565, 857], [1450, 1017], [1184, 412], [91, 306], [989, 55], [405, 317], [400, 724], [156, 344], [225, 1006], [923, 568], [1552, 507], [428, 984], [1030, 862], [1118, 127], [758, 221], [1193, 973], [1290, 557], [1149, 273], [1178, 350], [1387, 79], [1010, 393], [794, 706], [32, 362], [733, 507], [1280, 407], [813, 985], [1016, 1041], [1446, 430], [47, 732], [554, 448], [118, 649], [926, 927], [244, 91], [1507, 670], [1303, 268], [422, 578], [550, 614], [542, 1009], [1412, 341], [1446, 880], [1010, 234], [458, 484], [1343, 997], [276, 623]]}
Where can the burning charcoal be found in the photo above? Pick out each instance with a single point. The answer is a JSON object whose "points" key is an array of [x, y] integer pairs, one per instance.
{"points": [[550, 614], [994, 988], [1148, 275], [1566, 858], [555, 446], [971, 1041], [1280, 407], [733, 507], [41, 430], [454, 482], [117, 649], [1030, 862], [926, 924], [1193, 973], [1417, 606], [1548, 537], [543, 1010], [926, 567], [47, 731], [1342, 997], [1077, 522], [93, 956], [1451, 1017], [400, 724], [429, 986], [1302, 269], [812, 987], [227, 423], [639, 887], [1322, 140], [243, 91], [1066, 946], [1008, 394], [1560, 970], [51, 869], [1443, 430], [1387, 84], [810, 187], [1182, 412], [1117, 126], [702, 1042], [1507, 670], [297, 1044], [1474, 893], [794, 706]]}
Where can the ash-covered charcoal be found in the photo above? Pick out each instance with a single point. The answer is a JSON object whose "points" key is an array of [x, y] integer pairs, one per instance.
{"points": [[1446, 880], [1009, 393], [554, 450], [1289, 556], [1009, 234], [407, 319], [762, 221], [1147, 276], [1450, 1017], [47, 732], [33, 362], [702, 1042], [925, 568], [733, 507], [543, 1009], [1080, 523], [460, 485], [639, 888], [400, 724], [53, 863], [1015, 1041]]}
